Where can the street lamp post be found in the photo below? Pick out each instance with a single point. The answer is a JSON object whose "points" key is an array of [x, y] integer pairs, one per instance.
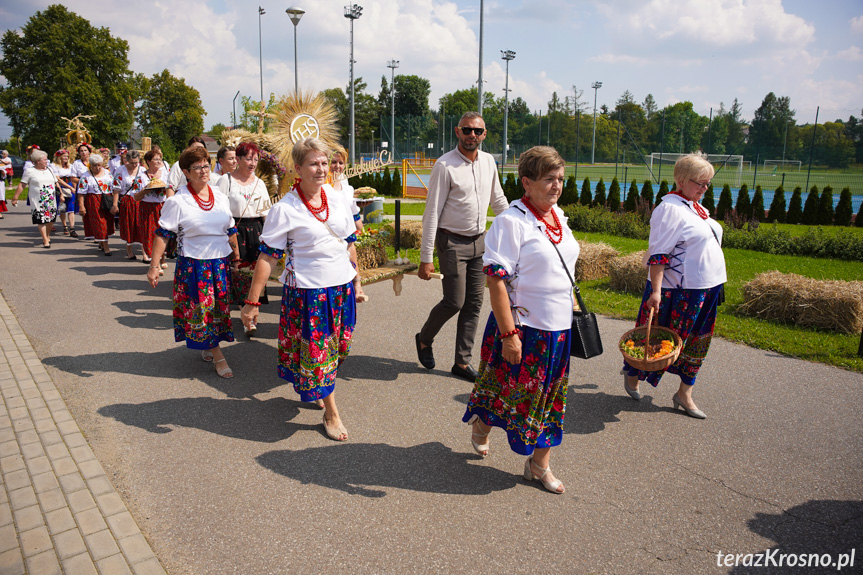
{"points": [[596, 86], [393, 64], [479, 82], [261, 12], [352, 13], [295, 14], [506, 55], [234, 108]]}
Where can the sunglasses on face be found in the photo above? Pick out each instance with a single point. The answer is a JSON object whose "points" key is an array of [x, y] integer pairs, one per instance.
{"points": [[466, 130]]}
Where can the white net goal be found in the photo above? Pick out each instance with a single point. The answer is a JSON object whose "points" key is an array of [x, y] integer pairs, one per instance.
{"points": [[730, 165], [783, 165]]}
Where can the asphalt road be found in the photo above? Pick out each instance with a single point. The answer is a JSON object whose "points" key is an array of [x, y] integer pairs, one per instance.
{"points": [[237, 476]]}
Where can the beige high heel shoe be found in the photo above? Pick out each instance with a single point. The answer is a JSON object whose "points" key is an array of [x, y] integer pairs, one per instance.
{"points": [[550, 486], [480, 449]]}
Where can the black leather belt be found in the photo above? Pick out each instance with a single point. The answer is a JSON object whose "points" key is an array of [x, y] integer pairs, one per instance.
{"points": [[459, 236]]}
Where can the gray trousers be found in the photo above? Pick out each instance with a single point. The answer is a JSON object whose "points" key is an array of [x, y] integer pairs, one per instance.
{"points": [[460, 263]]}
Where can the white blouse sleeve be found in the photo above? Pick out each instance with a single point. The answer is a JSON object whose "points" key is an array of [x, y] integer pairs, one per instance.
{"points": [[503, 243], [170, 217], [276, 227], [262, 201], [666, 225]]}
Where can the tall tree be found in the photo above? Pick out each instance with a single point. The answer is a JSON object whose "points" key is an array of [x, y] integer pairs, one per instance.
{"points": [[770, 125], [412, 95], [776, 214], [60, 65], [649, 106], [842, 217], [795, 207], [174, 106]]}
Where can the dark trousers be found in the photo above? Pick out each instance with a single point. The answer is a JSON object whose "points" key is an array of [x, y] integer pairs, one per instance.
{"points": [[460, 262]]}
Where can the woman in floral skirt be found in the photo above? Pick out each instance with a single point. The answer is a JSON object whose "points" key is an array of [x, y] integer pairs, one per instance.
{"points": [[41, 191], [199, 217], [312, 227], [524, 366]]}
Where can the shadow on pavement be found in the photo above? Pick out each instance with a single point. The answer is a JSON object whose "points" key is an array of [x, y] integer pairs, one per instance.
{"points": [[250, 419], [364, 367], [815, 527], [356, 468]]}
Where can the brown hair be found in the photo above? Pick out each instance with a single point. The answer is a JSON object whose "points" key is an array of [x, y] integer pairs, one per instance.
{"points": [[154, 151], [192, 155], [303, 147], [538, 161]]}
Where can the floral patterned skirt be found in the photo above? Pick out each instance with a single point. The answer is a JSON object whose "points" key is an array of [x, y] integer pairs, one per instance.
{"points": [[527, 400], [98, 223], [202, 311], [45, 210], [691, 313], [315, 331], [129, 216]]}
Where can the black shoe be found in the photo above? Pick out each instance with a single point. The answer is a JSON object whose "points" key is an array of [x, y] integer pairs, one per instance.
{"points": [[425, 355], [468, 373]]}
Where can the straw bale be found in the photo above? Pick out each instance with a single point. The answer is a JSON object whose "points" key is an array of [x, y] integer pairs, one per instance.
{"points": [[594, 260], [628, 273], [411, 235], [370, 255], [827, 304]]}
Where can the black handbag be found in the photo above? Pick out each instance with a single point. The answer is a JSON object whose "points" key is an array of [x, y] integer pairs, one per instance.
{"points": [[585, 341], [107, 201]]}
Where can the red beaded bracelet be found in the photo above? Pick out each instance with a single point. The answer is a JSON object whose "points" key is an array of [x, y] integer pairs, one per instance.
{"points": [[516, 331], [252, 303]]}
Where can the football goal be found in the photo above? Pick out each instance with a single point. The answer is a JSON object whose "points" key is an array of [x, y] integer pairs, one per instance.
{"points": [[731, 165], [783, 165]]}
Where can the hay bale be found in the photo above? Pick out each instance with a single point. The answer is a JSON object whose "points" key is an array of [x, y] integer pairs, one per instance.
{"points": [[411, 234], [628, 273], [370, 254], [594, 259], [827, 304]]}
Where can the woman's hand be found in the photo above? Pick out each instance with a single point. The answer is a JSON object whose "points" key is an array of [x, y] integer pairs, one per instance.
{"points": [[249, 315], [653, 302], [114, 209], [511, 349], [82, 212], [153, 275]]}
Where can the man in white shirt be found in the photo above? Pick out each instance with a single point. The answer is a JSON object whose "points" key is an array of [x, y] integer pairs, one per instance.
{"points": [[463, 183], [117, 161], [176, 178]]}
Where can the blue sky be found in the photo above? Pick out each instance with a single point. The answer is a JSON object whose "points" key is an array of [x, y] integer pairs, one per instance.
{"points": [[704, 51]]}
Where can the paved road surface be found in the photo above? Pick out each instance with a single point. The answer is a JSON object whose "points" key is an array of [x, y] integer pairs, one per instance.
{"points": [[236, 476]]}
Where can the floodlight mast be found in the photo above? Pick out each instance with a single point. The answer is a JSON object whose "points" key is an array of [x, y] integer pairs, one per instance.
{"points": [[352, 13], [393, 64], [506, 55], [295, 14], [596, 86]]}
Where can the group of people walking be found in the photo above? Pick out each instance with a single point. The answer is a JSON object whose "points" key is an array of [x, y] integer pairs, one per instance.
{"points": [[220, 223]]}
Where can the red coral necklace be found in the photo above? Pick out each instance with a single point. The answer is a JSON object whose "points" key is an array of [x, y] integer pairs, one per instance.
{"points": [[323, 209], [553, 231], [205, 205]]}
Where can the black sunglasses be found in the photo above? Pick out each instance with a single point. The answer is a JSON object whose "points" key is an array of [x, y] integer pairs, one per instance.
{"points": [[466, 130]]}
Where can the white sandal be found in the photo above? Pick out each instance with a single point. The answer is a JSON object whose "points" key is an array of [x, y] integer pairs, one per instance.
{"points": [[207, 355], [226, 371], [481, 449], [551, 486]]}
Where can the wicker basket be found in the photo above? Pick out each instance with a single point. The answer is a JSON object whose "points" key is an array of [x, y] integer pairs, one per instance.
{"points": [[653, 364]]}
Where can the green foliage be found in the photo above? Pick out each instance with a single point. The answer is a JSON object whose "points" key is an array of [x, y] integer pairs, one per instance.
{"points": [[725, 203], [510, 189], [586, 196], [599, 196], [707, 201], [587, 219], [663, 190], [630, 203], [814, 243], [59, 65], [570, 192], [647, 192], [810, 208], [173, 106], [387, 183], [825, 207], [397, 183], [795, 207], [842, 217], [858, 220], [758, 205], [777, 207], [613, 202], [743, 207]]}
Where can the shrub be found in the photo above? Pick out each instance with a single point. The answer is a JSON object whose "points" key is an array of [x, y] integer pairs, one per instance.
{"points": [[631, 195], [810, 208], [825, 207], [647, 192], [707, 200], [777, 207], [795, 207], [842, 217], [397, 183], [743, 207], [663, 190], [510, 190], [858, 221], [813, 243], [599, 196], [570, 193], [725, 203], [613, 202], [586, 219], [586, 196], [758, 205]]}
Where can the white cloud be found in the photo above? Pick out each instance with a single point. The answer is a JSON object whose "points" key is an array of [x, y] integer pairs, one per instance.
{"points": [[851, 54], [857, 24]]}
